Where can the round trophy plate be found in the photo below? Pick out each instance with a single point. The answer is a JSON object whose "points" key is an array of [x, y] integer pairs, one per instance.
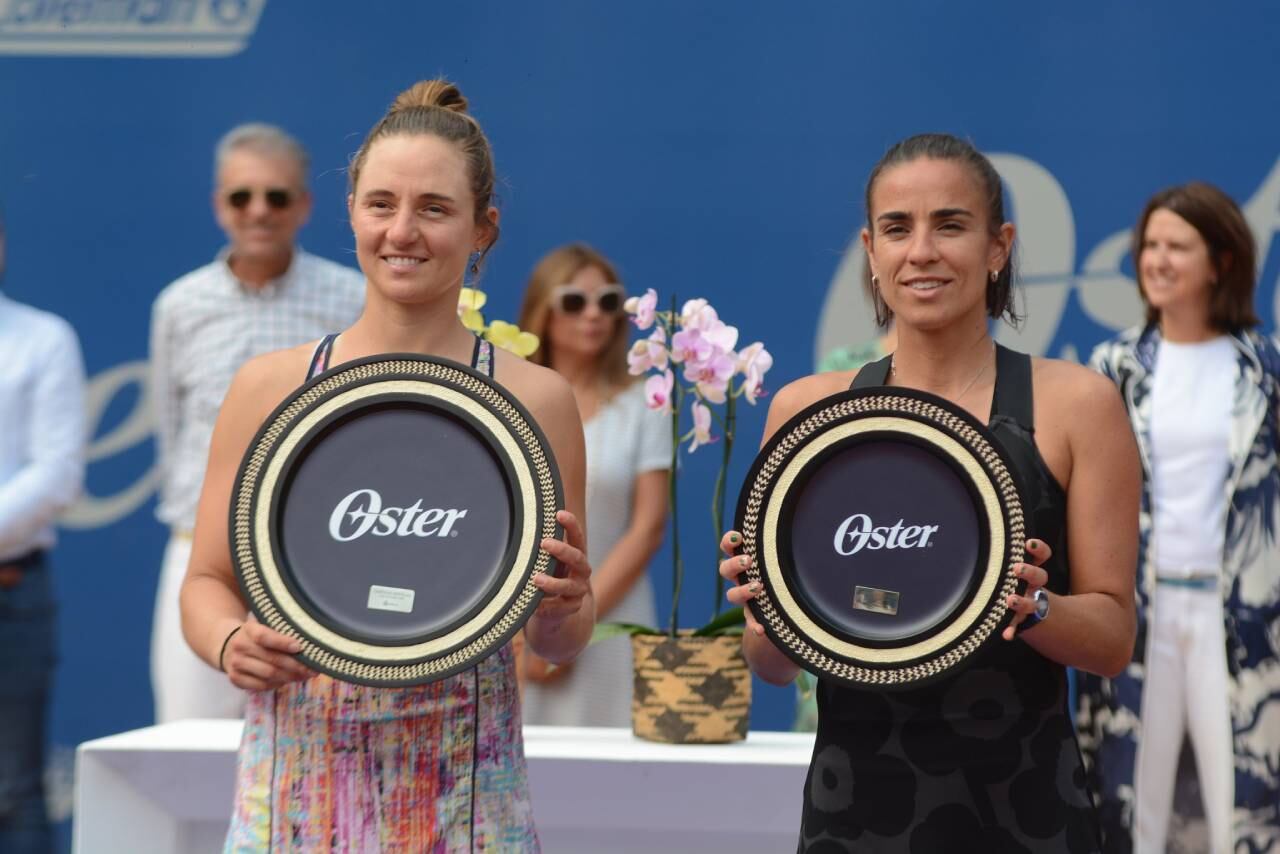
{"points": [[883, 525], [388, 515]]}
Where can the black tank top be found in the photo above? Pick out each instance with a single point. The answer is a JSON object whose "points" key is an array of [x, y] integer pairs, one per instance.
{"points": [[985, 761], [481, 356]]}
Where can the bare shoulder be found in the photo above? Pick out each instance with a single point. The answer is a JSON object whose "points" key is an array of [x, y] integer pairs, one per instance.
{"points": [[264, 381], [798, 394], [1072, 387], [542, 391]]}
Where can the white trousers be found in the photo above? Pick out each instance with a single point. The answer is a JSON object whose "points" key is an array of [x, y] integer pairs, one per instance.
{"points": [[183, 685], [1185, 692]]}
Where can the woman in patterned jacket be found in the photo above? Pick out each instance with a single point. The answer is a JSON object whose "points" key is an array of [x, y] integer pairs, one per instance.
{"points": [[1200, 386]]}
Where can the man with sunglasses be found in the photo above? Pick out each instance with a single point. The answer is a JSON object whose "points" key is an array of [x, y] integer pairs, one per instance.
{"points": [[261, 293]]}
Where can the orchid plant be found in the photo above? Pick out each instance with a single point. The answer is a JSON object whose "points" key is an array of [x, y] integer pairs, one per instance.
{"points": [[713, 377], [508, 336]]}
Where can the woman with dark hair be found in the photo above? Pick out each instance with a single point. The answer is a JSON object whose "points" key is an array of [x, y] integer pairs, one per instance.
{"points": [[1202, 388], [573, 303], [986, 759], [334, 766]]}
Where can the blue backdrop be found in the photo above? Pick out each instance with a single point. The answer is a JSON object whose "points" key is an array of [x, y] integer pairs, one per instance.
{"points": [[712, 149]]}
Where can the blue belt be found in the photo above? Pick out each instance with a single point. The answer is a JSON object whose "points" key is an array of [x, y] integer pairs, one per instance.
{"points": [[1189, 582]]}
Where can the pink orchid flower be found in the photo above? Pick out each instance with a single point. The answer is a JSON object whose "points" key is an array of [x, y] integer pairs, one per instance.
{"points": [[657, 391], [689, 345], [754, 362], [701, 427], [723, 336], [643, 308], [700, 315], [648, 353], [701, 344], [711, 376]]}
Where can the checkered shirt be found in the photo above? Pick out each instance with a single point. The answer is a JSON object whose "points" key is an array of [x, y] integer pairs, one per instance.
{"points": [[207, 324]]}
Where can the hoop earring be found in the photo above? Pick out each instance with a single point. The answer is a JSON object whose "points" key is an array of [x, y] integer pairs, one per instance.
{"points": [[883, 314]]}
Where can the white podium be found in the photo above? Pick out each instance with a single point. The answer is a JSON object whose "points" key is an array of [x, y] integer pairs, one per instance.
{"points": [[168, 789]]}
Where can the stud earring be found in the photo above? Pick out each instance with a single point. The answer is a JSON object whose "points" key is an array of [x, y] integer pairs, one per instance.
{"points": [[995, 274]]}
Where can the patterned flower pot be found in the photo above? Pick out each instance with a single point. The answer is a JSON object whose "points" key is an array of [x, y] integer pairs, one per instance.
{"points": [[690, 690]]}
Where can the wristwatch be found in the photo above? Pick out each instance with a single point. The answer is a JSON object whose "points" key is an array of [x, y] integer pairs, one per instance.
{"points": [[1042, 610]]}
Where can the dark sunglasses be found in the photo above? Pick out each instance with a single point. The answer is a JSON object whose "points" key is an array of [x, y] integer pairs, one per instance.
{"points": [[277, 199], [571, 299]]}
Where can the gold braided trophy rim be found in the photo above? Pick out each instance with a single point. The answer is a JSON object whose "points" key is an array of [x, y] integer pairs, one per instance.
{"points": [[493, 412], [930, 422]]}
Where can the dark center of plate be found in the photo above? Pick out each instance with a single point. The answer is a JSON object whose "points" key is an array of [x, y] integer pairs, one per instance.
{"points": [[395, 522], [884, 539]]}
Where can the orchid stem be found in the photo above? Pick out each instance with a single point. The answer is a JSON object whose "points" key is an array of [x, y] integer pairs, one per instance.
{"points": [[677, 567], [717, 502]]}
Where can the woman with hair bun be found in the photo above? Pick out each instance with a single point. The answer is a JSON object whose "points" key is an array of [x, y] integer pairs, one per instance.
{"points": [[330, 765], [1202, 387], [984, 759]]}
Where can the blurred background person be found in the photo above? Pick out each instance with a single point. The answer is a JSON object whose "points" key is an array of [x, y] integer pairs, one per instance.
{"points": [[1201, 388], [261, 293], [42, 447], [573, 303]]}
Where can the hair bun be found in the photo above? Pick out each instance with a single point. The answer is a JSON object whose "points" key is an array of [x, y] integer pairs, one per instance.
{"points": [[431, 93]]}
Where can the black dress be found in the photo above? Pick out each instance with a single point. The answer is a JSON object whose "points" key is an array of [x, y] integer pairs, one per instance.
{"points": [[986, 761]]}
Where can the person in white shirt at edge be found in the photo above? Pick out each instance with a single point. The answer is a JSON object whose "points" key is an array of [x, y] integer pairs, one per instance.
{"points": [[573, 303], [261, 293], [1202, 388], [42, 448]]}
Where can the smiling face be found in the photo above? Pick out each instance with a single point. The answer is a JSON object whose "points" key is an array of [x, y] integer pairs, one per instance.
{"points": [[413, 215], [1174, 269], [930, 244], [586, 332], [258, 231]]}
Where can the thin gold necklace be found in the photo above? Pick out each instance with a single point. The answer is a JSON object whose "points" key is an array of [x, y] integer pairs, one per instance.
{"points": [[893, 371]]}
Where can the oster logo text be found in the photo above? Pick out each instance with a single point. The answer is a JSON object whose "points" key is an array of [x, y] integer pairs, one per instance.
{"points": [[362, 513], [858, 532]]}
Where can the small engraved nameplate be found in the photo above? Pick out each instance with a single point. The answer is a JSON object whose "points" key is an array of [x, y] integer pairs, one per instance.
{"points": [[876, 600], [398, 599]]}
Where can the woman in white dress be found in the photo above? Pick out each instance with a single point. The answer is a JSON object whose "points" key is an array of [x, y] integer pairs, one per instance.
{"points": [[573, 302]]}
